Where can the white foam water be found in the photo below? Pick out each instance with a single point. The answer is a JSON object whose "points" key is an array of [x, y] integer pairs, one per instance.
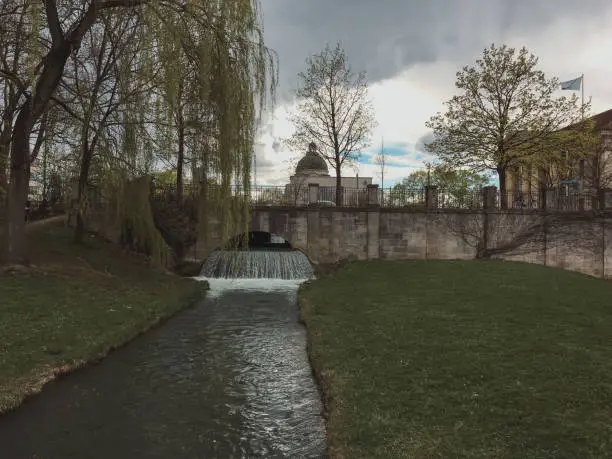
{"points": [[220, 285], [257, 264]]}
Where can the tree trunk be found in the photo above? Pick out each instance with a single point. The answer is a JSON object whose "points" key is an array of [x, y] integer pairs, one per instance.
{"points": [[180, 161], [339, 197], [482, 250], [5, 145], [15, 243], [503, 194], [79, 229], [30, 112]]}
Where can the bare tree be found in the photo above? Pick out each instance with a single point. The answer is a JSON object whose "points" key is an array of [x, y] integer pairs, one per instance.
{"points": [[333, 110], [496, 234], [297, 191], [381, 161], [99, 81], [13, 76]]}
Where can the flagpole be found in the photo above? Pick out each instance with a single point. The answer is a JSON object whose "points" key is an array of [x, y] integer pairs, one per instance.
{"points": [[582, 87], [382, 158]]}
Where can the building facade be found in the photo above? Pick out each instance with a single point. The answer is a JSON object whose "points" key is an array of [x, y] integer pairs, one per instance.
{"points": [[313, 169], [524, 183]]}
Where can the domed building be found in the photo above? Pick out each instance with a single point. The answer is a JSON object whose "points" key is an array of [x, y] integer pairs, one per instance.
{"points": [[312, 164], [313, 168]]}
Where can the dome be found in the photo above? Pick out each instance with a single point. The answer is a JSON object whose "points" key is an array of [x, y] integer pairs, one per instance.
{"points": [[312, 163]]}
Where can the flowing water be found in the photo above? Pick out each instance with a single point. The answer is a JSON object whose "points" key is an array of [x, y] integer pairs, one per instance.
{"points": [[227, 378], [258, 264]]}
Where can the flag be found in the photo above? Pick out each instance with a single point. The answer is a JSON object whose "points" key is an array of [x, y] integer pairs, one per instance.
{"points": [[572, 85]]}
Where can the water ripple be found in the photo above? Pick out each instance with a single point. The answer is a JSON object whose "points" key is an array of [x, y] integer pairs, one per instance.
{"points": [[228, 378]]}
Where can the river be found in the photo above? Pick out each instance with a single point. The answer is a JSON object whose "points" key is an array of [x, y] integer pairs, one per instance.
{"points": [[228, 378]]}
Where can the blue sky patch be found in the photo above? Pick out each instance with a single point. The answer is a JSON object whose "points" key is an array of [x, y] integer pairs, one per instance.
{"points": [[392, 151]]}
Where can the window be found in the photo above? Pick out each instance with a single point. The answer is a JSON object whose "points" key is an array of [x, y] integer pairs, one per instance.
{"points": [[517, 180]]}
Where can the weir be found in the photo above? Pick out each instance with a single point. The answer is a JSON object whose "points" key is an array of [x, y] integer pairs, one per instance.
{"points": [[259, 255], [257, 264]]}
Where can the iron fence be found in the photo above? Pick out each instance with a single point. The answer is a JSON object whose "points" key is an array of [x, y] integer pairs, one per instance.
{"points": [[513, 200], [552, 199], [403, 198], [264, 195], [458, 199]]}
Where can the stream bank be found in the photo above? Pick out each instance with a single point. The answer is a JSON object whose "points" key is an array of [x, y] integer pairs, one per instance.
{"points": [[74, 304]]}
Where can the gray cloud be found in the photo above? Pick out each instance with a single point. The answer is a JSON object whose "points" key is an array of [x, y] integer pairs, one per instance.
{"points": [[388, 36], [269, 169], [277, 146], [264, 165], [424, 139]]}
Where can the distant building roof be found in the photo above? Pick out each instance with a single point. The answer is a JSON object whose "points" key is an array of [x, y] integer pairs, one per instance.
{"points": [[603, 120], [312, 163]]}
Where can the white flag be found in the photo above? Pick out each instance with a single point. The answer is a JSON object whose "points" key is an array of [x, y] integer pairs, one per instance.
{"points": [[572, 85]]}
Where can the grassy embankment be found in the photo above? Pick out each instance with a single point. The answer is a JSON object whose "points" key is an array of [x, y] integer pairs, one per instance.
{"points": [[74, 305], [454, 359]]}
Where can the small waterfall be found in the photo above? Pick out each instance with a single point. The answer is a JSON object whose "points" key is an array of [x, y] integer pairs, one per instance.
{"points": [[257, 264]]}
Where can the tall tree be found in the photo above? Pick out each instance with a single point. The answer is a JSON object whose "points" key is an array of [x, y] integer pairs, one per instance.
{"points": [[333, 110], [381, 160], [233, 64], [98, 82], [13, 77], [188, 120], [507, 115]]}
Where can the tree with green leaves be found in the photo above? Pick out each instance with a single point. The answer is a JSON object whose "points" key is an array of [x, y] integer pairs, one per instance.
{"points": [[223, 40], [445, 179], [333, 111], [456, 186], [507, 115]]}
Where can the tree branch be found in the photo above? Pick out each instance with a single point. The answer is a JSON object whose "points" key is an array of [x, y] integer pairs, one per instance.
{"points": [[121, 3], [55, 28], [40, 137]]}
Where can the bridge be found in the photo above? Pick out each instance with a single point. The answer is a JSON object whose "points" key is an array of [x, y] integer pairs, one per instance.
{"points": [[572, 231], [577, 239]]}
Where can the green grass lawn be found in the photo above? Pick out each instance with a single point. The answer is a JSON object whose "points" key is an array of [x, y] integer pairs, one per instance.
{"points": [[463, 359], [73, 306]]}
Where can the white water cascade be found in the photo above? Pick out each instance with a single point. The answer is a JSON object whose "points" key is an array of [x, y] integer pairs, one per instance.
{"points": [[257, 264]]}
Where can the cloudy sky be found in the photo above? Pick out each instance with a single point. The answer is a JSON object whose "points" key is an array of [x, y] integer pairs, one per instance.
{"points": [[411, 50]]}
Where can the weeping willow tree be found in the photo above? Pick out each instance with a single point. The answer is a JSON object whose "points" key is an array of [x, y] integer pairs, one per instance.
{"points": [[213, 79], [138, 230], [217, 78], [234, 75]]}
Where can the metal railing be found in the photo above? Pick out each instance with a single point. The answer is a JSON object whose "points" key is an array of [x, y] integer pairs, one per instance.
{"points": [[550, 199], [460, 199], [403, 198]]}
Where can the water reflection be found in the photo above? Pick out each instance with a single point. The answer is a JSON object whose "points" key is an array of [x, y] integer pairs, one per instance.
{"points": [[228, 378]]}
